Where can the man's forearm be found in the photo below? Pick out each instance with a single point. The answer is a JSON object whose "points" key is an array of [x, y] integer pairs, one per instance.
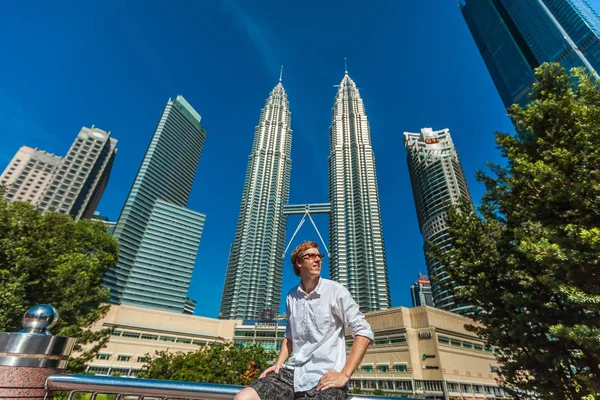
{"points": [[359, 348], [284, 353]]}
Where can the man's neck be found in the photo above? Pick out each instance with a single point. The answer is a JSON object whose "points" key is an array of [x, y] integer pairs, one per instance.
{"points": [[309, 284]]}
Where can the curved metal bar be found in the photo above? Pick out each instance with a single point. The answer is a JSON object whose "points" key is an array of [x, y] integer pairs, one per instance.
{"points": [[31, 343], [140, 387], [32, 362]]}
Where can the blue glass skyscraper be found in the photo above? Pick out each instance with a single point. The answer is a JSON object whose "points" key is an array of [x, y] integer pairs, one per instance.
{"points": [[514, 37], [158, 237]]}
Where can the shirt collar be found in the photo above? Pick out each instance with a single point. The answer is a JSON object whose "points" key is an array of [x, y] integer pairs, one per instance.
{"points": [[316, 291]]}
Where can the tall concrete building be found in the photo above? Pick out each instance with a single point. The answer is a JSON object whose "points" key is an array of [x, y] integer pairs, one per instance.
{"points": [[437, 180], [157, 235], [355, 232], [28, 175], [255, 267], [514, 37], [79, 182], [420, 292]]}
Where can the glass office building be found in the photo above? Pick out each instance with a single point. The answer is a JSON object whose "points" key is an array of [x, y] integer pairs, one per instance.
{"points": [[255, 267], [157, 235], [437, 180], [514, 37], [355, 231]]}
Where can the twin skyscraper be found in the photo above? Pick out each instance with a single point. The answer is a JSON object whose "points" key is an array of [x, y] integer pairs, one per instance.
{"points": [[159, 236], [255, 268]]}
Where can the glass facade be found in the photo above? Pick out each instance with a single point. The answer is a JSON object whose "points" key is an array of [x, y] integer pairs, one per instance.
{"points": [[437, 180], [255, 267], [355, 231], [158, 237], [514, 37]]}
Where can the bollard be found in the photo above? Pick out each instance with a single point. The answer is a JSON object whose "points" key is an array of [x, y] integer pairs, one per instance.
{"points": [[29, 357]]}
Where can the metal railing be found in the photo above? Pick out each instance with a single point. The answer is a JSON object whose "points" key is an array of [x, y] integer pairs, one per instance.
{"points": [[137, 388], [128, 388]]}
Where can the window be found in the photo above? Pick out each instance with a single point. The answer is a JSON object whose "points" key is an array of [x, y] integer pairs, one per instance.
{"points": [[400, 367], [383, 368], [399, 339], [184, 341], [167, 339], [199, 342], [102, 356], [98, 370], [455, 343], [147, 336], [381, 341], [142, 359], [367, 368], [116, 332], [443, 339], [130, 334], [122, 357]]}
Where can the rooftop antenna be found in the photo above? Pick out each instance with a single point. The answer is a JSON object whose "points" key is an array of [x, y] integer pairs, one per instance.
{"points": [[281, 73], [345, 66]]}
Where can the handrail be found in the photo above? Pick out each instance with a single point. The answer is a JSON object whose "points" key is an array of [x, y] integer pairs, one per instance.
{"points": [[153, 388], [139, 387]]}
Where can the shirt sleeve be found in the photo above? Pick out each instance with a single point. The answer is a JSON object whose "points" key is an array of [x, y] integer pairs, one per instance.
{"points": [[288, 325], [353, 318]]}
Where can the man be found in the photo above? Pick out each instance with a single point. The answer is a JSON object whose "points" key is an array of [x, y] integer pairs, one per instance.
{"points": [[317, 310]]}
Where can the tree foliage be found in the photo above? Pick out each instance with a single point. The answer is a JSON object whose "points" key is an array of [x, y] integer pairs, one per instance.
{"points": [[224, 363], [49, 258], [530, 260]]}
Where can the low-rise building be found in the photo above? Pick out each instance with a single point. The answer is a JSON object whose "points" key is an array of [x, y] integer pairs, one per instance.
{"points": [[139, 331], [426, 352], [420, 352]]}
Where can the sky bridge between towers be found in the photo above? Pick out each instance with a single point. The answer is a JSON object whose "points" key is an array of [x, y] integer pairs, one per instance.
{"points": [[306, 210]]}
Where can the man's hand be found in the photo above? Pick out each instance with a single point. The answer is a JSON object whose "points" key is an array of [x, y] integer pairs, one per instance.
{"points": [[272, 368], [332, 379]]}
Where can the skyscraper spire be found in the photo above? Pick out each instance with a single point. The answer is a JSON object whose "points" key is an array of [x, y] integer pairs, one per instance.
{"points": [[281, 74], [345, 66], [355, 232], [255, 267]]}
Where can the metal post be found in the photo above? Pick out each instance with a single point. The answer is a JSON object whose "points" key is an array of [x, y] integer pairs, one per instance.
{"points": [[29, 357]]}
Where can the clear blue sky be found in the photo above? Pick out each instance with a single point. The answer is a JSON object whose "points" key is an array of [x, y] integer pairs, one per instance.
{"points": [[114, 64]]}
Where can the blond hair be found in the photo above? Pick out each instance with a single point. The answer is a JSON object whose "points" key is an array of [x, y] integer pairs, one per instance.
{"points": [[297, 254]]}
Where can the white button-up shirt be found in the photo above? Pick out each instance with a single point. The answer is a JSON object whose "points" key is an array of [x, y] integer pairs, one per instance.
{"points": [[315, 325]]}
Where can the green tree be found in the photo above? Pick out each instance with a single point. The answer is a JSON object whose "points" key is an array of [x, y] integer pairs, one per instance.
{"points": [[49, 258], [530, 260], [378, 392], [213, 363]]}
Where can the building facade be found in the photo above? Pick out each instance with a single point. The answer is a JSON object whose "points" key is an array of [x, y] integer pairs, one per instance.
{"points": [[158, 237], [437, 180], [110, 225], [420, 292], [358, 258], [514, 37], [79, 182], [426, 352], [139, 332], [420, 352], [268, 334], [29, 174], [255, 267]]}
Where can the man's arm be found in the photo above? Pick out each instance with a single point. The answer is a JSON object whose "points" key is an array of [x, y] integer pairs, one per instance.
{"points": [[334, 379], [284, 353]]}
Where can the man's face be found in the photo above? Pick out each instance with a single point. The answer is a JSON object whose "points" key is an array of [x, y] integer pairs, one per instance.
{"points": [[310, 263]]}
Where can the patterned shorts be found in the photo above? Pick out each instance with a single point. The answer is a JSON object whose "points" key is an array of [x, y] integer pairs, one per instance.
{"points": [[281, 387]]}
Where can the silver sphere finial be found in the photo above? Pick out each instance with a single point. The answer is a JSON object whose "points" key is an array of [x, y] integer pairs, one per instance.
{"points": [[39, 319]]}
